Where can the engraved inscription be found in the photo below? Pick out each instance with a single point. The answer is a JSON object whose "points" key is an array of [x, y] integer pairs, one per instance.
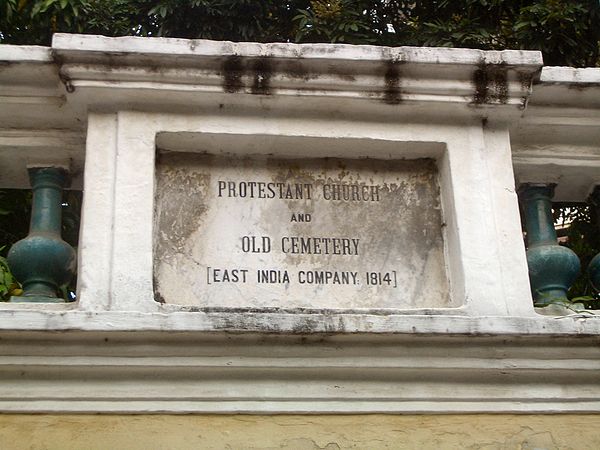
{"points": [[318, 233]]}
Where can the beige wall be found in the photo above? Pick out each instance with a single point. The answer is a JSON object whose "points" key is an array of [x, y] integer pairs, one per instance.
{"points": [[131, 432]]}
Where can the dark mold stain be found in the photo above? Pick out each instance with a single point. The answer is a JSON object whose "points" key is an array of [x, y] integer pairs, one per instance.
{"points": [[66, 81], [491, 84], [233, 69], [536, 77], [481, 86], [157, 295], [343, 74], [159, 298], [69, 86], [262, 76], [527, 81], [392, 94], [583, 86], [295, 69], [306, 326], [158, 156]]}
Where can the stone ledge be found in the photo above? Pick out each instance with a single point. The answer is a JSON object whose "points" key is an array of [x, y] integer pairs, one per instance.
{"points": [[172, 47], [156, 67], [65, 318], [225, 373]]}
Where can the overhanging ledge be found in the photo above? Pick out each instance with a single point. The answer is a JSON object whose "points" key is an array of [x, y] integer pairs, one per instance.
{"points": [[143, 70]]}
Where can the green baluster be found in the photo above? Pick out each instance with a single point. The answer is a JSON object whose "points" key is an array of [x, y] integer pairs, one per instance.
{"points": [[43, 262], [594, 266], [552, 268]]}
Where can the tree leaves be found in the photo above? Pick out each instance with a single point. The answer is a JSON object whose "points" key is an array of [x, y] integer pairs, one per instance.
{"points": [[579, 227], [8, 285], [567, 33]]}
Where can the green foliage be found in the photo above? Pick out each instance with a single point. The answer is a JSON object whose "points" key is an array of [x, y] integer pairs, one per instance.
{"points": [[118, 18], [235, 20], [34, 21], [354, 22], [583, 237], [8, 285], [567, 32], [15, 207], [71, 216], [15, 210]]}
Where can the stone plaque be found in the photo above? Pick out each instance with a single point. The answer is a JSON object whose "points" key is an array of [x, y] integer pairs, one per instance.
{"points": [[258, 232]]}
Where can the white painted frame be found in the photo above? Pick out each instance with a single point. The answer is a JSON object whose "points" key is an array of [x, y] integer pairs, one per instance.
{"points": [[124, 144]]}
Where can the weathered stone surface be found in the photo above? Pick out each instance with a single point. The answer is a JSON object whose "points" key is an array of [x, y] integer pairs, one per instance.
{"points": [[314, 233]]}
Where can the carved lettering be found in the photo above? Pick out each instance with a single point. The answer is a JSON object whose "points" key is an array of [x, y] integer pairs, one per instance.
{"points": [[256, 244]]}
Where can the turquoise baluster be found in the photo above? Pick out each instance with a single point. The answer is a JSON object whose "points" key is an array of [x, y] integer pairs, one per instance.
{"points": [[552, 268], [43, 262]]}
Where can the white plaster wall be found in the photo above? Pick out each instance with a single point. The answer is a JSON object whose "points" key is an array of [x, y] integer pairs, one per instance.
{"points": [[117, 350], [97, 210], [476, 232], [131, 109], [508, 247]]}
